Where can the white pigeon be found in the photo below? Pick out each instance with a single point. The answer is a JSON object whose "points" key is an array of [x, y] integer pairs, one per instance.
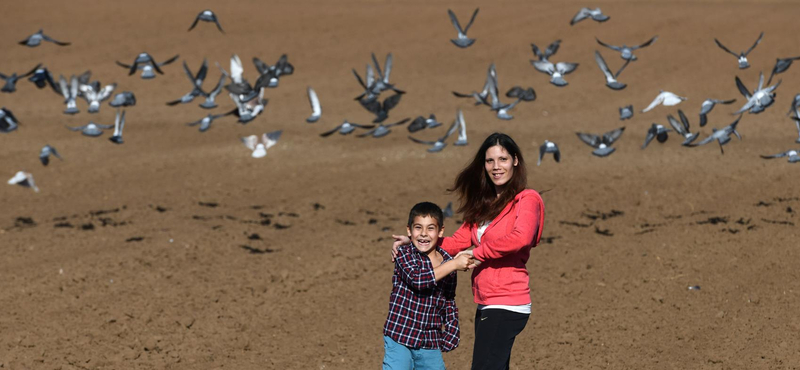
{"points": [[259, 149], [119, 124], [23, 179], [462, 129], [666, 98], [316, 109]]}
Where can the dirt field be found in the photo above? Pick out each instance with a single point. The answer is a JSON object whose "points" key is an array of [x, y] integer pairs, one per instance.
{"points": [[177, 250]]}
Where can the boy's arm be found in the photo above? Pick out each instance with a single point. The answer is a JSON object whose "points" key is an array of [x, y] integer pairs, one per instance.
{"points": [[451, 332], [458, 262], [413, 271]]}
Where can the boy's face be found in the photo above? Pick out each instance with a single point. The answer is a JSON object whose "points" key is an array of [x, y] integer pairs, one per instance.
{"points": [[425, 233]]}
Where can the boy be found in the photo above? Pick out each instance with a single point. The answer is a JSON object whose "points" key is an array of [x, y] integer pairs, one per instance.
{"points": [[423, 318]]}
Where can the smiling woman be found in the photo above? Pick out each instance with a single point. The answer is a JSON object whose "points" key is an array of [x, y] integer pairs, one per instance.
{"points": [[503, 220]]}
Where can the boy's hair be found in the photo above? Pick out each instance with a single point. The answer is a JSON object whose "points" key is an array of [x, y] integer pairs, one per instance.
{"points": [[426, 209]]}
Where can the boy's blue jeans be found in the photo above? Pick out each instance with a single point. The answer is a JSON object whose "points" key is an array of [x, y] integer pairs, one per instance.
{"points": [[400, 357]]}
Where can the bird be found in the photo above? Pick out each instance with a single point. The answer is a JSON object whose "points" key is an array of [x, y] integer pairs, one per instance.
{"points": [[761, 98], [602, 144], [625, 112], [722, 136], [626, 52], [796, 123], [238, 85], [781, 65], [792, 154], [481, 96], [209, 103], [462, 40], [380, 84], [439, 144], [41, 77], [70, 93], [448, 211], [147, 64], [611, 79], [462, 129], [549, 147], [520, 93], [547, 53], [206, 16], [659, 132], [682, 128], [596, 15], [24, 179], [316, 109], [123, 99], [742, 57], [37, 38], [270, 74], [46, 152], [259, 149], [248, 109], [8, 122], [382, 130], [345, 128], [381, 110], [421, 122], [91, 129], [495, 104], [556, 71], [94, 95], [205, 122], [666, 98], [707, 106], [119, 124], [197, 84], [11, 81]]}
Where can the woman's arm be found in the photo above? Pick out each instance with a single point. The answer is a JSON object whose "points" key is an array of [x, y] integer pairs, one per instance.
{"points": [[461, 239], [527, 227]]}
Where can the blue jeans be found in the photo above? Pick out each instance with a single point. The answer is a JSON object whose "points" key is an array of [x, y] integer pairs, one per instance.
{"points": [[400, 357]]}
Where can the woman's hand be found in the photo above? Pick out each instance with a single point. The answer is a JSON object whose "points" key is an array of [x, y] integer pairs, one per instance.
{"points": [[473, 262], [398, 241]]}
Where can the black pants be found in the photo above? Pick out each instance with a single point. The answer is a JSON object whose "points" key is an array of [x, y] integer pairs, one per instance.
{"points": [[495, 331]]}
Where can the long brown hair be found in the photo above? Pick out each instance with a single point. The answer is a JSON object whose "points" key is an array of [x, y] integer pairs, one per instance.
{"points": [[479, 200]]}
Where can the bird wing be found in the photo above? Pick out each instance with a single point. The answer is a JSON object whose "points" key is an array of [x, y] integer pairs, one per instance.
{"points": [[564, 67], [328, 133], [552, 49], [651, 134], [73, 88], [471, 20], [676, 125], [779, 155], [261, 67], [684, 121], [236, 69], [755, 44], [271, 138], [168, 61], [197, 18], [454, 19], [617, 48], [219, 27], [316, 109], [377, 67], [658, 100], [391, 102], [742, 88], [536, 52], [452, 129], [724, 48], [590, 139], [31, 71], [613, 135], [627, 61], [647, 43], [543, 66], [581, 15], [48, 38], [250, 141], [360, 81], [421, 141], [398, 123], [387, 68], [62, 82], [603, 66], [370, 76]]}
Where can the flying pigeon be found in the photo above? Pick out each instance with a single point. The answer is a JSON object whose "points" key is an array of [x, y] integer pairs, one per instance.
{"points": [[197, 84], [42, 77], [316, 109], [95, 95], [602, 144], [259, 149], [382, 130], [596, 15], [205, 122], [523, 94], [439, 144], [270, 74], [123, 99], [742, 57], [421, 122], [70, 93], [147, 64], [46, 152], [345, 128], [611, 79], [547, 53], [91, 129], [722, 136], [796, 123], [625, 112], [119, 124], [792, 154], [206, 16], [658, 132], [25, 179], [8, 122], [626, 52], [666, 98], [761, 98], [781, 65], [11, 81], [549, 147], [462, 41], [37, 38], [556, 71], [682, 128], [707, 106], [381, 110]]}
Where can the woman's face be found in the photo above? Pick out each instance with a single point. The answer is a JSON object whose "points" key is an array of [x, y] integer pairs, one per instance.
{"points": [[499, 166]]}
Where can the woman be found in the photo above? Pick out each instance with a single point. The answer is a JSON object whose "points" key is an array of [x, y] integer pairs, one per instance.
{"points": [[503, 220]]}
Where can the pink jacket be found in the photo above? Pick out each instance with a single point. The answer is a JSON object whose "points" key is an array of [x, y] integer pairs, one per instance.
{"points": [[502, 277]]}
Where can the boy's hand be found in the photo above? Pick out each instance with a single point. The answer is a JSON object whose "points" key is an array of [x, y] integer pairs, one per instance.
{"points": [[473, 263], [462, 261], [398, 241]]}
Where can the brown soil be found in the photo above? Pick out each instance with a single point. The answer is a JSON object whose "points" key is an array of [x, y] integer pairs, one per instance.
{"points": [[177, 250]]}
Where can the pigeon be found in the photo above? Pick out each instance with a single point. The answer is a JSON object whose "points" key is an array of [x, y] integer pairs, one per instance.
{"points": [[666, 98], [25, 179], [625, 112], [248, 110], [123, 99], [46, 152], [345, 128], [271, 73], [209, 103], [611, 79], [94, 95], [375, 86], [238, 85], [481, 96], [197, 84], [119, 124], [421, 122], [596, 15], [761, 98], [682, 128], [659, 132], [707, 106], [549, 147], [439, 144], [37, 38], [626, 52], [792, 154], [381, 110], [367, 95], [42, 77], [523, 94], [147, 64], [462, 129], [382, 130], [8, 122], [547, 53], [742, 57], [91, 129], [206, 16], [462, 40], [495, 104], [556, 71], [70, 93], [259, 149], [11, 81], [448, 211], [602, 144], [722, 136], [781, 65], [795, 106], [796, 123], [205, 122], [316, 109]]}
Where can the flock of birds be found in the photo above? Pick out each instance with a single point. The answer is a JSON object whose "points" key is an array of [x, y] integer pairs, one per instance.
{"points": [[249, 98]]}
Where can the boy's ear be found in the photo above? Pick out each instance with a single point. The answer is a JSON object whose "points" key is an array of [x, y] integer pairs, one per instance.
{"points": [[441, 231], [409, 231]]}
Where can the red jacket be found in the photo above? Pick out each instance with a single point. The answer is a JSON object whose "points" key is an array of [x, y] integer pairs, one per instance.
{"points": [[502, 277]]}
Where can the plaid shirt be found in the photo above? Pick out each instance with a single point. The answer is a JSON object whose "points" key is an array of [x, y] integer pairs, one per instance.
{"points": [[422, 311]]}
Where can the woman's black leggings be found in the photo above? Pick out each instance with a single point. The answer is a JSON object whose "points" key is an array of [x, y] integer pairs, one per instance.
{"points": [[495, 330]]}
